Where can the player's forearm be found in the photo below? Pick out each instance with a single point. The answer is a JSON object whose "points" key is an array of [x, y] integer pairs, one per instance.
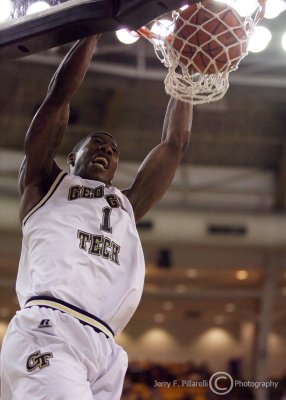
{"points": [[73, 68], [177, 123]]}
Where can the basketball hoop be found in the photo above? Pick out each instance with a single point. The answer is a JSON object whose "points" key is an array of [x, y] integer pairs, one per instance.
{"points": [[200, 47]]}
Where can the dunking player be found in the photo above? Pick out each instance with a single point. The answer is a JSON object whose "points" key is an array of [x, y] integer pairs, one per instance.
{"points": [[81, 270]]}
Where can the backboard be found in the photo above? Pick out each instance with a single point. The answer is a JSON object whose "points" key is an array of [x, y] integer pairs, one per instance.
{"points": [[68, 20]]}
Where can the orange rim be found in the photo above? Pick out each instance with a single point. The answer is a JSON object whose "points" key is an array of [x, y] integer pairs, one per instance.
{"points": [[145, 32]]}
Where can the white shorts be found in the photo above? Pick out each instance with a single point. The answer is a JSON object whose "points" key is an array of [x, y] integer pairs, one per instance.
{"points": [[50, 355]]}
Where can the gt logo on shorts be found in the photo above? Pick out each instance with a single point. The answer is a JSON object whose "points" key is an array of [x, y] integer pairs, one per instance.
{"points": [[38, 360]]}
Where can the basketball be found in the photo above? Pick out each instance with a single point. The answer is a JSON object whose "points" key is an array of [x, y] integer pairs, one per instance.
{"points": [[209, 39]]}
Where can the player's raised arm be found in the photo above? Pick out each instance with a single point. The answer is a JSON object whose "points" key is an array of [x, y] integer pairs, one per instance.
{"points": [[46, 130], [159, 167]]}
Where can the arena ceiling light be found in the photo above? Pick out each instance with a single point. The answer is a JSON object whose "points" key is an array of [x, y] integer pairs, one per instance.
{"points": [[168, 306], [37, 7], [283, 41], [219, 319], [180, 288], [274, 8], [241, 275], [162, 28], [245, 8], [159, 318], [192, 273], [6, 10], [283, 291], [230, 2], [230, 307], [125, 36], [260, 39]]}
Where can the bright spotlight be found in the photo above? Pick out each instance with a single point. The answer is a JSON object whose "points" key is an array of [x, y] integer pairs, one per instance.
{"points": [[126, 37], [245, 8], [241, 275], [159, 318], [260, 39], [37, 7], [283, 41], [6, 10], [274, 8], [229, 2], [184, 7], [162, 28]]}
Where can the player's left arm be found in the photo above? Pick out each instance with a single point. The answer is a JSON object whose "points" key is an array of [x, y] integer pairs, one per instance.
{"points": [[159, 167]]}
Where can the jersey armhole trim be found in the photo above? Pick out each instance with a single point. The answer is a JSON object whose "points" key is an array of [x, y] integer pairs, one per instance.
{"points": [[130, 205], [52, 189]]}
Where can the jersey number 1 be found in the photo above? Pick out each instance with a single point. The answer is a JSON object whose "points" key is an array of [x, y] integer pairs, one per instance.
{"points": [[105, 225]]}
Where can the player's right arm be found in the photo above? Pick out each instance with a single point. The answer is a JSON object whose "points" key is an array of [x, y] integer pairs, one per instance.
{"points": [[45, 133]]}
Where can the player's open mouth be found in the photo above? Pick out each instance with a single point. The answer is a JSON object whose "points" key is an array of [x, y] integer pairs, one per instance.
{"points": [[100, 161]]}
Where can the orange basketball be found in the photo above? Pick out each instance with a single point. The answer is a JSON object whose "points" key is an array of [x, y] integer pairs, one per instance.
{"points": [[213, 37]]}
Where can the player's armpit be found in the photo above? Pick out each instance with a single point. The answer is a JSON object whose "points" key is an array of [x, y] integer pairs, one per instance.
{"points": [[153, 178], [160, 165]]}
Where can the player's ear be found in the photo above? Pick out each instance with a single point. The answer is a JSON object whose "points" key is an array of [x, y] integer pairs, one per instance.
{"points": [[71, 159]]}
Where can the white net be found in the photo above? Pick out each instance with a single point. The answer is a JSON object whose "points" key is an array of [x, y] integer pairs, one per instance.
{"points": [[200, 45]]}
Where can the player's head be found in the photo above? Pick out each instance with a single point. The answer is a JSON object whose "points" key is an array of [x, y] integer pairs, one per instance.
{"points": [[95, 157]]}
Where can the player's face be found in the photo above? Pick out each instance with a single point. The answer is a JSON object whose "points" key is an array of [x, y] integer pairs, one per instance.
{"points": [[97, 159]]}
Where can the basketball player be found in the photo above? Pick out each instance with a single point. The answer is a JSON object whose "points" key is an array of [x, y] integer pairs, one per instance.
{"points": [[81, 270]]}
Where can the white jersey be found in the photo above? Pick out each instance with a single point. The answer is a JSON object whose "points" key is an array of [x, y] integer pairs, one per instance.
{"points": [[80, 245]]}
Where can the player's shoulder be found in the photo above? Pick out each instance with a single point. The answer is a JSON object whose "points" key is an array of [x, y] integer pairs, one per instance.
{"points": [[125, 193], [37, 190]]}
